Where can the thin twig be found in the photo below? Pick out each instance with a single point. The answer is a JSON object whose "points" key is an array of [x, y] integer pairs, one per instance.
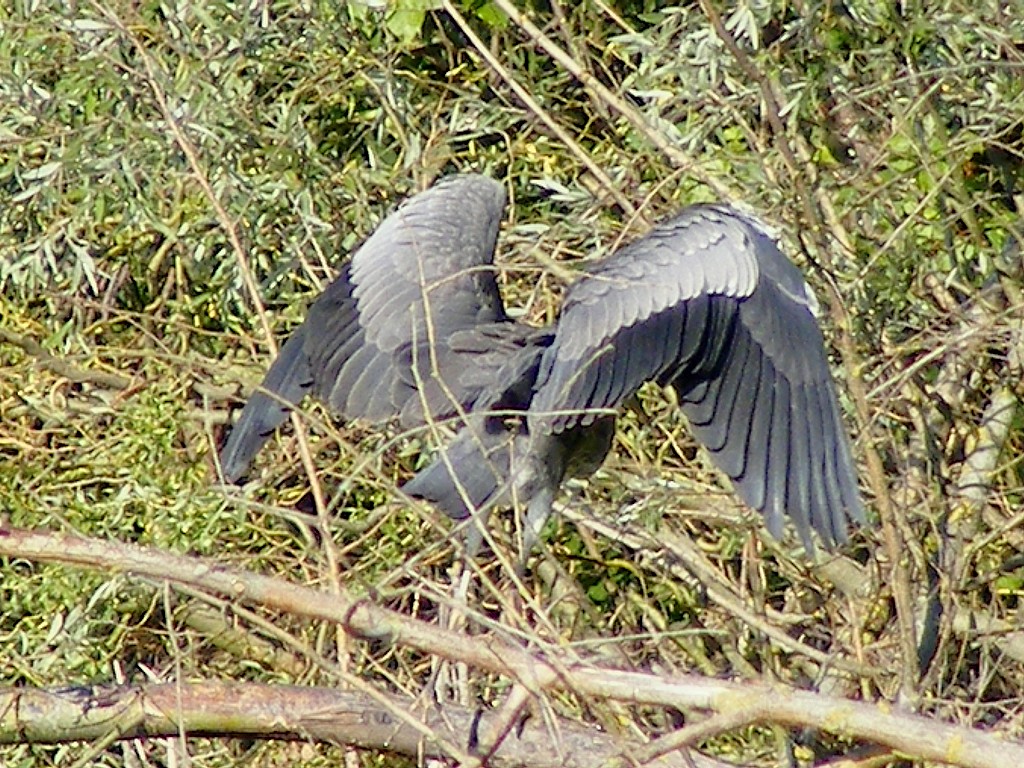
{"points": [[542, 114], [62, 367], [675, 155]]}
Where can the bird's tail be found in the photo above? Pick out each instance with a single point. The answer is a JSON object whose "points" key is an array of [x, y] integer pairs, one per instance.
{"points": [[287, 381], [469, 474]]}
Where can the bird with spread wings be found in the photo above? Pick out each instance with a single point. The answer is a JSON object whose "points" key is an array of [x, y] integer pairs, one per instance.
{"points": [[414, 329]]}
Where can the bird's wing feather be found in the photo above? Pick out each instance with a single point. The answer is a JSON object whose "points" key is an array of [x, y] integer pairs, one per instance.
{"points": [[355, 378], [635, 296], [708, 303], [286, 383], [429, 266], [478, 366], [423, 275]]}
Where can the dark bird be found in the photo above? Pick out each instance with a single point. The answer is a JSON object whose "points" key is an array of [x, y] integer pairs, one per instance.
{"points": [[414, 328]]}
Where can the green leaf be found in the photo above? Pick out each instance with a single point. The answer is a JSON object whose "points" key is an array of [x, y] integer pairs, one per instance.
{"points": [[492, 16], [405, 24], [406, 19]]}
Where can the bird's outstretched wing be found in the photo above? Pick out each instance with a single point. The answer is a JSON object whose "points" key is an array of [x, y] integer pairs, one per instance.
{"points": [[388, 336], [706, 302]]}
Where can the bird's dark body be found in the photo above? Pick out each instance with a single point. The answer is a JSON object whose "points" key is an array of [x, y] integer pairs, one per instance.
{"points": [[414, 328]]}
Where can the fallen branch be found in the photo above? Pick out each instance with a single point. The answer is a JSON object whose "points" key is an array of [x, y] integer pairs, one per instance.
{"points": [[284, 712]]}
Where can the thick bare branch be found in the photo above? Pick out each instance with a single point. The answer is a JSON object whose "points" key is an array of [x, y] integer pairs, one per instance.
{"points": [[285, 712]]}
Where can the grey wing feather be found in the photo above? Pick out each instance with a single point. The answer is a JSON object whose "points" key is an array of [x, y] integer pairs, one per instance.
{"points": [[429, 266], [479, 366], [340, 357], [708, 303], [425, 274], [779, 318], [632, 297], [289, 378]]}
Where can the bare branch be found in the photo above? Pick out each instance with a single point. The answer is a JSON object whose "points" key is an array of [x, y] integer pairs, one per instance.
{"points": [[284, 712], [62, 367]]}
